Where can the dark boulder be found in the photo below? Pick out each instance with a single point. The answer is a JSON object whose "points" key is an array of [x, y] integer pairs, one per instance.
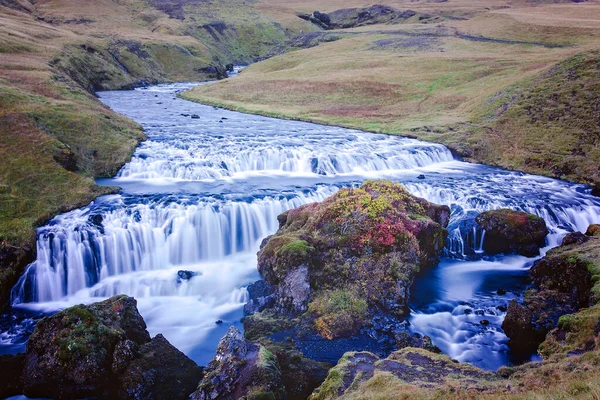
{"points": [[508, 231], [216, 71], [573, 238], [405, 339], [562, 284], [103, 349], [11, 368], [593, 230], [184, 275], [158, 372], [70, 354], [261, 296]]}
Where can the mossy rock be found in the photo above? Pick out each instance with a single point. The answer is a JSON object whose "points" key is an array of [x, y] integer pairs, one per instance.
{"points": [[362, 248], [509, 231]]}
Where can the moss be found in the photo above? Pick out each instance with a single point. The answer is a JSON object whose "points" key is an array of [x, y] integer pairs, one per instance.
{"points": [[263, 324], [331, 387], [338, 312]]}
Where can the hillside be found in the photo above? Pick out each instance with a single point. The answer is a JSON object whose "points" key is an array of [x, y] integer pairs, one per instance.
{"points": [[55, 135], [513, 85]]}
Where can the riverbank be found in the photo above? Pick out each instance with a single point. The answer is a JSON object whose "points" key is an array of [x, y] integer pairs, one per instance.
{"points": [[496, 88], [55, 136]]}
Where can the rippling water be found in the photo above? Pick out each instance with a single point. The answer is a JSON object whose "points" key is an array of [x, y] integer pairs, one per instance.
{"points": [[200, 195]]}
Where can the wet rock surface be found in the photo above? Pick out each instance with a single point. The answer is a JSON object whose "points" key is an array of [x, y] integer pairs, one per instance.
{"points": [[562, 284], [103, 349], [241, 369], [508, 231]]}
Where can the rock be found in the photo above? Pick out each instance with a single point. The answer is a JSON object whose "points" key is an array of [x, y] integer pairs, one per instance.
{"points": [[13, 261], [293, 292], [574, 237], [508, 231], [355, 252], [421, 176], [69, 354], [240, 368], [10, 378], [484, 322], [261, 296], [219, 322], [229, 67], [502, 308], [358, 375], [160, 371], [593, 230], [216, 71], [562, 285], [501, 292], [186, 275], [195, 116], [301, 376], [103, 349], [406, 339]]}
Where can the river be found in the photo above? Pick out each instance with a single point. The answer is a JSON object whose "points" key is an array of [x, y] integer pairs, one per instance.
{"points": [[206, 187]]}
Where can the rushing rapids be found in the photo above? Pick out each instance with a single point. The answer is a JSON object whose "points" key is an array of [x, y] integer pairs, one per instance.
{"points": [[200, 195]]}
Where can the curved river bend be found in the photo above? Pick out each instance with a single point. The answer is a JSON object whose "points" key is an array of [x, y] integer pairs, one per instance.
{"points": [[200, 195]]}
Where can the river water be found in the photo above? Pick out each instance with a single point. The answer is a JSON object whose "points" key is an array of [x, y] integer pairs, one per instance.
{"points": [[204, 190]]}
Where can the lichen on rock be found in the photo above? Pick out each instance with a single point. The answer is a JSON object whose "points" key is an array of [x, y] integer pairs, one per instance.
{"points": [[357, 251], [104, 349]]}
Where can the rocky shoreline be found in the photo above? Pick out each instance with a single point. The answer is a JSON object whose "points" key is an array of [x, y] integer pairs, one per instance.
{"points": [[336, 279]]}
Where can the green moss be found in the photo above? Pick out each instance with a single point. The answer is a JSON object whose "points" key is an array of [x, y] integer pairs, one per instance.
{"points": [[338, 312], [330, 388], [260, 325], [298, 249]]}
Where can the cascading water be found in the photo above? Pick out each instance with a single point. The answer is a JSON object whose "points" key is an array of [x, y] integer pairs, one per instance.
{"points": [[202, 192]]}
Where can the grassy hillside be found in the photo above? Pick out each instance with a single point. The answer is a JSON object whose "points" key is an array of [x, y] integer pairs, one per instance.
{"points": [[55, 136], [514, 85]]}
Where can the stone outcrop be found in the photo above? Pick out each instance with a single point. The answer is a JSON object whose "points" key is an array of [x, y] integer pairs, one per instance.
{"points": [[354, 17], [351, 257], [508, 231], [159, 371], [103, 349], [241, 370], [416, 368], [563, 283]]}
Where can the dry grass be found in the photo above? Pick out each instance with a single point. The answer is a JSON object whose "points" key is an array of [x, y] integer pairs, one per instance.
{"points": [[424, 81]]}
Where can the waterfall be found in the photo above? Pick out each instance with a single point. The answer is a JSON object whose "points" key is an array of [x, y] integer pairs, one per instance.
{"points": [[201, 194], [123, 237]]}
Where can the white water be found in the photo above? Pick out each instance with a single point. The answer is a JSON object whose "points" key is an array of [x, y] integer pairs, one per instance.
{"points": [[202, 193]]}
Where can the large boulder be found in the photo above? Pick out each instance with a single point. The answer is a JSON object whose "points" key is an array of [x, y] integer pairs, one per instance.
{"points": [[103, 349], [509, 231], [357, 251], [241, 369], [563, 283], [159, 371], [407, 373]]}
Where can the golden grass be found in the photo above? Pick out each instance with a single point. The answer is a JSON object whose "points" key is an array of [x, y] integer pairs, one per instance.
{"points": [[427, 82]]}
